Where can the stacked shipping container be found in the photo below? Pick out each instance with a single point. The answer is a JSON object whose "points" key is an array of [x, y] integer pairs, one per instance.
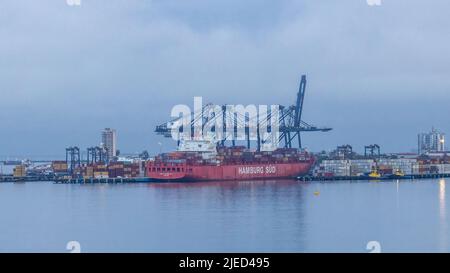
{"points": [[405, 165], [334, 168], [59, 166], [361, 166], [113, 170], [358, 167], [20, 171]]}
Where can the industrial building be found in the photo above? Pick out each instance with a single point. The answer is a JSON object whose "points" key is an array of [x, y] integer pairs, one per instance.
{"points": [[431, 142], [109, 141]]}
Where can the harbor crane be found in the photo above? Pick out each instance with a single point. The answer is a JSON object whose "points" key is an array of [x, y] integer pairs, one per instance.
{"points": [[291, 124], [97, 155], [73, 158], [372, 150]]}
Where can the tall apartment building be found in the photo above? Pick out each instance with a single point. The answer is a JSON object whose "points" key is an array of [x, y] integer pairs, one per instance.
{"points": [[433, 141], [109, 140]]}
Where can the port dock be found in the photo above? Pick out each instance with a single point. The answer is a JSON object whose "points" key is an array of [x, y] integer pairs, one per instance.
{"points": [[11, 178], [103, 180], [309, 178], [302, 178]]}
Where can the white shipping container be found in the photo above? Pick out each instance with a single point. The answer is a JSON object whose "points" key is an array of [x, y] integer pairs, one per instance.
{"points": [[443, 168]]}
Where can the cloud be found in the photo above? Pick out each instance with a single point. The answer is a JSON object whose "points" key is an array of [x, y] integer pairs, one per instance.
{"points": [[124, 64]]}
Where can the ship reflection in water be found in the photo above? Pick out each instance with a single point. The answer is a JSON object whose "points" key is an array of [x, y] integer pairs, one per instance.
{"points": [[244, 216]]}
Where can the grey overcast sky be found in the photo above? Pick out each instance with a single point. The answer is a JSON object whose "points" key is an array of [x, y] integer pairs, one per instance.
{"points": [[375, 74]]}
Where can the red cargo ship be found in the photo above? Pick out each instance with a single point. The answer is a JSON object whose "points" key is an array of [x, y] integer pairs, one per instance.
{"points": [[229, 163]]}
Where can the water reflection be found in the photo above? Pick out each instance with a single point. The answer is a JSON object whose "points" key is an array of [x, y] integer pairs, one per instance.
{"points": [[226, 184], [442, 198], [263, 215], [442, 217], [234, 216]]}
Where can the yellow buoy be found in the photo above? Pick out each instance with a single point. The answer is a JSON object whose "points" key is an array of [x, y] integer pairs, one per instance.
{"points": [[316, 193]]}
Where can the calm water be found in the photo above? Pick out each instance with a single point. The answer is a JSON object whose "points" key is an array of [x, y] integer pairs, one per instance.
{"points": [[261, 216]]}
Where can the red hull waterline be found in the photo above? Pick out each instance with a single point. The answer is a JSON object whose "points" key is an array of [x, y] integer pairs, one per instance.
{"points": [[183, 172]]}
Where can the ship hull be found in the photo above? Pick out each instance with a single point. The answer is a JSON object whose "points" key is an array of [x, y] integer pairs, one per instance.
{"points": [[233, 172]]}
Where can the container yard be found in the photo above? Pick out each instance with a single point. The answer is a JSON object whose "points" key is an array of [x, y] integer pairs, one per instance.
{"points": [[326, 168], [218, 162], [25, 173], [130, 170], [100, 170], [339, 165]]}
